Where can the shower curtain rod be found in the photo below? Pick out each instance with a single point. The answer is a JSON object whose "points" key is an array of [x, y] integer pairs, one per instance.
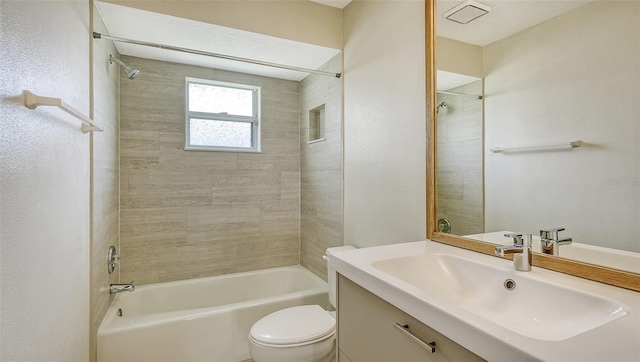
{"points": [[460, 94], [215, 55]]}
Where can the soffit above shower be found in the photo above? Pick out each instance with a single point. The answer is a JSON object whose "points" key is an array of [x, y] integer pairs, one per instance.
{"points": [[340, 4], [448, 80], [505, 18], [131, 23]]}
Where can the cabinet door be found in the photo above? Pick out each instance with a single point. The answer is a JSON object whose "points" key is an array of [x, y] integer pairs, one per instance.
{"points": [[367, 331]]}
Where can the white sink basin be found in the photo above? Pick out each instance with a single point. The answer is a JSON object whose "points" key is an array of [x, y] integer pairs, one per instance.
{"points": [[549, 316], [535, 308]]}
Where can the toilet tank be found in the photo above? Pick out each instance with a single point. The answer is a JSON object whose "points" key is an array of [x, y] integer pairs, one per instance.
{"points": [[331, 273]]}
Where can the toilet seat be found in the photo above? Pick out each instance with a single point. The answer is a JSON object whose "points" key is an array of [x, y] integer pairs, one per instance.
{"points": [[293, 327]]}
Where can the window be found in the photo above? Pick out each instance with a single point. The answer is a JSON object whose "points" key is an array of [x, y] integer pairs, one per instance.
{"points": [[222, 116]]}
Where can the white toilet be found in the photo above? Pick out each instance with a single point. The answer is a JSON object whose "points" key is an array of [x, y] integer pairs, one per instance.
{"points": [[304, 333]]}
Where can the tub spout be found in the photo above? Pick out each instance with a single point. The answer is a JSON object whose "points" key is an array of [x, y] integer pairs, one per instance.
{"points": [[117, 288]]}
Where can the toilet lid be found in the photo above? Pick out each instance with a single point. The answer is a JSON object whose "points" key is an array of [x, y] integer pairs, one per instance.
{"points": [[293, 326]]}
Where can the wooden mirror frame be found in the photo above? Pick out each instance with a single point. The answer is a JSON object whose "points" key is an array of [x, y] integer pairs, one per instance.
{"points": [[593, 272]]}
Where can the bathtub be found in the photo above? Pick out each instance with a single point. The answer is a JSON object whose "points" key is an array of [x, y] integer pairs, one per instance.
{"points": [[205, 319]]}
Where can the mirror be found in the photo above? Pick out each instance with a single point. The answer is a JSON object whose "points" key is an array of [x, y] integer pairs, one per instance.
{"points": [[537, 127]]}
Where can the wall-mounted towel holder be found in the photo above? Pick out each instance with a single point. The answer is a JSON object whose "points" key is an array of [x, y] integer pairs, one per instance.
{"points": [[569, 145], [32, 101]]}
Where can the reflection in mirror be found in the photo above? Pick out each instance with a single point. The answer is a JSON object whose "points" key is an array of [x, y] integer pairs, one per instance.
{"points": [[550, 73], [459, 117]]}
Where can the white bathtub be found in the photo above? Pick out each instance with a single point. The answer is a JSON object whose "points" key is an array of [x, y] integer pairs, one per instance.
{"points": [[206, 319]]}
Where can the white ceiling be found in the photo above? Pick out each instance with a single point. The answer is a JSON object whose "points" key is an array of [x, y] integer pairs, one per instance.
{"points": [[507, 17], [140, 25]]}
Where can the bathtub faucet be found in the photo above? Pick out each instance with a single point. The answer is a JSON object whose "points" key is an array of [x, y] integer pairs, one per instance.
{"points": [[117, 288]]}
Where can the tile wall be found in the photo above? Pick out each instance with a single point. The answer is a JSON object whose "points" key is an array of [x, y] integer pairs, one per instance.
{"points": [[321, 169], [188, 214], [460, 160]]}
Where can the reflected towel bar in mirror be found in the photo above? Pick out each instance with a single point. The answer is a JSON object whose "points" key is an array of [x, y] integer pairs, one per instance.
{"points": [[570, 145]]}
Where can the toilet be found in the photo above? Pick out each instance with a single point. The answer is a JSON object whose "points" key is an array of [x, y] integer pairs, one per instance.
{"points": [[305, 333]]}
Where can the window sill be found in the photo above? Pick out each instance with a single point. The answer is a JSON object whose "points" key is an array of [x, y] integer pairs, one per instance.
{"points": [[221, 149]]}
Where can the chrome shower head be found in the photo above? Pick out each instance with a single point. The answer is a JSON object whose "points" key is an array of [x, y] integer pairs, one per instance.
{"points": [[132, 73], [441, 105]]}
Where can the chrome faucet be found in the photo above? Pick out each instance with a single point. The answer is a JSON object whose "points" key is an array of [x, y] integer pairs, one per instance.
{"points": [[521, 250], [550, 241], [117, 288]]}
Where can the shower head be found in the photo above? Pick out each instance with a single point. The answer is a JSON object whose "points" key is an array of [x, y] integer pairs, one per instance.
{"points": [[132, 73], [441, 105]]}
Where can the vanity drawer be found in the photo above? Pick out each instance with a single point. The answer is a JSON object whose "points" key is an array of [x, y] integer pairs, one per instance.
{"points": [[367, 331]]}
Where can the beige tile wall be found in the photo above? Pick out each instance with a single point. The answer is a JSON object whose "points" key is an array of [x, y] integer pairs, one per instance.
{"points": [[460, 155], [321, 170], [187, 214]]}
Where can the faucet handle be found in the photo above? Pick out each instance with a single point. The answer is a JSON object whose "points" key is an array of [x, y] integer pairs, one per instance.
{"points": [[520, 239], [551, 234]]}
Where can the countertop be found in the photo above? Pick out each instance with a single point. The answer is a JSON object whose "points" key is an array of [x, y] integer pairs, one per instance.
{"points": [[618, 340]]}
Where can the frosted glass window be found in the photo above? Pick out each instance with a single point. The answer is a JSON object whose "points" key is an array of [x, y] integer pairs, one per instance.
{"points": [[209, 132], [222, 116], [220, 99]]}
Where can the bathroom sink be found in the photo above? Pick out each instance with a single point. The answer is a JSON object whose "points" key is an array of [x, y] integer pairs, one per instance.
{"points": [[521, 302]]}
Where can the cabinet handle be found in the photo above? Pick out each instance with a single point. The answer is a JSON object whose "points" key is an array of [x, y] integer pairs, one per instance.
{"points": [[429, 346]]}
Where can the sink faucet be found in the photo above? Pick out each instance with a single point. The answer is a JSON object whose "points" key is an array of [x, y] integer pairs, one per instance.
{"points": [[550, 241], [117, 288], [521, 250]]}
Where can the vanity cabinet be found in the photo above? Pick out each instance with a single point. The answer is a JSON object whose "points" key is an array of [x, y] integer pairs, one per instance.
{"points": [[367, 331]]}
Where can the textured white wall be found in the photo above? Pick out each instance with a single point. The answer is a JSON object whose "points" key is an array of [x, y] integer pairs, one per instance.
{"points": [[541, 88], [384, 122], [44, 183]]}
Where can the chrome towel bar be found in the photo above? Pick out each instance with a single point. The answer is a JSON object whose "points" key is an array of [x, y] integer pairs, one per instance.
{"points": [[570, 145]]}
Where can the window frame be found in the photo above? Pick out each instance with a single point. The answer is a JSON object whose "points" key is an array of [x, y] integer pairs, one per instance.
{"points": [[254, 119]]}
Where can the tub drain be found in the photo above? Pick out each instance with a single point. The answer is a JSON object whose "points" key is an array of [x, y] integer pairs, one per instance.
{"points": [[509, 284]]}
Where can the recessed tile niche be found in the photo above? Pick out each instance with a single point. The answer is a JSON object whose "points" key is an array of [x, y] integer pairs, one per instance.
{"points": [[316, 124]]}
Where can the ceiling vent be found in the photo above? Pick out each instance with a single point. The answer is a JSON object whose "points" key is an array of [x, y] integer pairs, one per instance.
{"points": [[467, 11]]}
